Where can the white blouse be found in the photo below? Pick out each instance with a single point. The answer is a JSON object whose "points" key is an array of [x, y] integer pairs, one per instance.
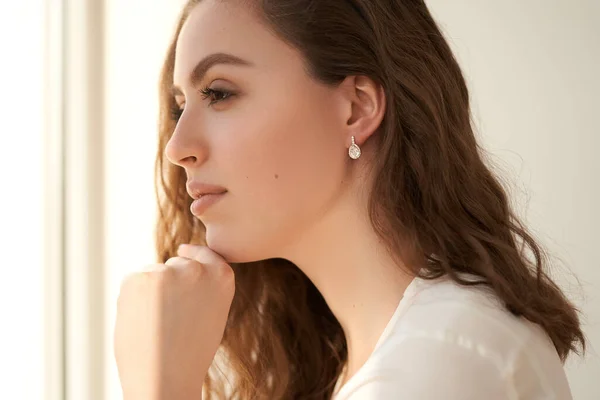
{"points": [[451, 342]]}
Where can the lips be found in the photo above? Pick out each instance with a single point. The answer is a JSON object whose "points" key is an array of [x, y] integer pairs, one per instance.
{"points": [[197, 189], [199, 206]]}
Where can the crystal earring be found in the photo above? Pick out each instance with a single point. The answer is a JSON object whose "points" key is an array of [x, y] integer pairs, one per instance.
{"points": [[354, 150]]}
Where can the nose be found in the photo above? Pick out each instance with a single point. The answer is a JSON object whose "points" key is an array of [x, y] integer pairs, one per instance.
{"points": [[185, 148]]}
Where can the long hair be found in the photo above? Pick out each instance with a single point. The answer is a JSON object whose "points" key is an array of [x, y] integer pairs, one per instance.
{"points": [[432, 195]]}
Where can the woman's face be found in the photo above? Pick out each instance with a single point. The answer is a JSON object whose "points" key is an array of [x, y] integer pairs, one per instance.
{"points": [[270, 135]]}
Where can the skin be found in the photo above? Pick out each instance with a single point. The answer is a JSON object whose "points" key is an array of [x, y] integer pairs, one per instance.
{"points": [[279, 145], [161, 313]]}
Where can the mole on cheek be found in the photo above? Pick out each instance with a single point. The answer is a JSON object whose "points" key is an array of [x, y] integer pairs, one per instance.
{"points": [[276, 176]]}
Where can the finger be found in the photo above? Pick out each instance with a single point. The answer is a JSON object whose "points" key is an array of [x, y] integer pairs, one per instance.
{"points": [[178, 262], [206, 256], [202, 254], [152, 268]]}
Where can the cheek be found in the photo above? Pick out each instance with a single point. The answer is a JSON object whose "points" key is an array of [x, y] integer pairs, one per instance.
{"points": [[284, 165], [288, 154]]}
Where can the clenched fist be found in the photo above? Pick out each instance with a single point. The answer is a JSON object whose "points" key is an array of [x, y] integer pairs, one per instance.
{"points": [[170, 322]]}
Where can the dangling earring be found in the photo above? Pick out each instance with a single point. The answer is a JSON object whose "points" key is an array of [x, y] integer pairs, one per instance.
{"points": [[354, 150]]}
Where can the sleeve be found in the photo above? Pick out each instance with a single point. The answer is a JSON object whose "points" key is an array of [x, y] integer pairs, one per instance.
{"points": [[419, 368]]}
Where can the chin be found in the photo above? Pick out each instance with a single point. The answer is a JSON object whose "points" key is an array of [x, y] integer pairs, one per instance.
{"points": [[234, 249]]}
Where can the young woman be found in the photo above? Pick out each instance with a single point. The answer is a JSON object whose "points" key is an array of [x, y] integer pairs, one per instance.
{"points": [[345, 238]]}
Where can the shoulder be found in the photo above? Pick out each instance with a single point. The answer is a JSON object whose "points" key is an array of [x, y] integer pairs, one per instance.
{"points": [[460, 314], [463, 339]]}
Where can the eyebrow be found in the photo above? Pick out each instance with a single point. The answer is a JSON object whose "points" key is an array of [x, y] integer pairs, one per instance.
{"points": [[207, 63]]}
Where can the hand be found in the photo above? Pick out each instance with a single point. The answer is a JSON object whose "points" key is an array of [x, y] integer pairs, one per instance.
{"points": [[170, 322]]}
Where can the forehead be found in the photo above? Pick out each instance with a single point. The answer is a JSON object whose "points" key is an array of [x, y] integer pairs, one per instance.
{"points": [[216, 26]]}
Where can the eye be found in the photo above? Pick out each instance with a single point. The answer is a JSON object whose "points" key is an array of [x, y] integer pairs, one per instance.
{"points": [[215, 95]]}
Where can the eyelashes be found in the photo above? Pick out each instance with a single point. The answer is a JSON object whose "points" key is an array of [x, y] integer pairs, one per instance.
{"points": [[175, 113], [215, 96]]}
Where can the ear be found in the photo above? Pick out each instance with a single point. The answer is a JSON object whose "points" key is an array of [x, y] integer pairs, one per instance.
{"points": [[364, 107]]}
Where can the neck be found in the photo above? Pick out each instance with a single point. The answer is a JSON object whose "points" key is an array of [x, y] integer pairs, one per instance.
{"points": [[350, 266]]}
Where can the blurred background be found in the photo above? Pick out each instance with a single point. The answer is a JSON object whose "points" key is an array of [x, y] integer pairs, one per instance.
{"points": [[78, 118]]}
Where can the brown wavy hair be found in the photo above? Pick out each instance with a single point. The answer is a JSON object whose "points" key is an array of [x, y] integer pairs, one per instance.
{"points": [[432, 195]]}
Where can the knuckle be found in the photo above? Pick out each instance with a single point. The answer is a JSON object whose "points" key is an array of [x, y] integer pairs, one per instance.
{"points": [[197, 270], [158, 277], [177, 262], [164, 275], [225, 271], [225, 275]]}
